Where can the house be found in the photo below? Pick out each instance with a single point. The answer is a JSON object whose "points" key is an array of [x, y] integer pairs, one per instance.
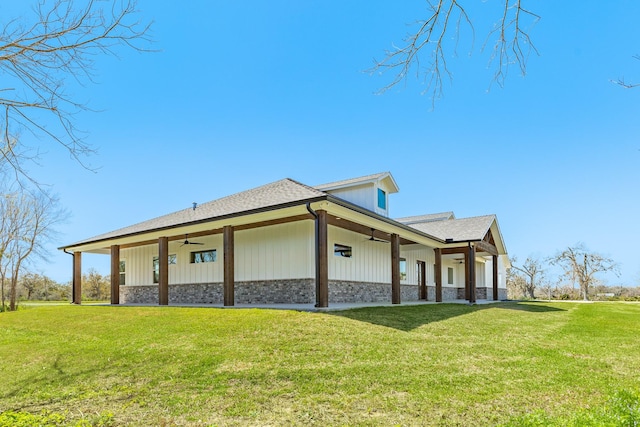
{"points": [[287, 242]]}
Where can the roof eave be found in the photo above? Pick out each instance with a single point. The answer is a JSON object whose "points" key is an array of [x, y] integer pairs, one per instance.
{"points": [[201, 221]]}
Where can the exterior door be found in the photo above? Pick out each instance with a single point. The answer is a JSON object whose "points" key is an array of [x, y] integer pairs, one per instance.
{"points": [[421, 268]]}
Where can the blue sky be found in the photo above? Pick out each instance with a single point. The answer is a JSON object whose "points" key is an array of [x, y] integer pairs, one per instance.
{"points": [[240, 94]]}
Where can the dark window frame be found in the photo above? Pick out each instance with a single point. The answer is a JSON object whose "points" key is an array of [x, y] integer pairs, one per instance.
{"points": [[172, 259], [382, 199], [204, 256], [122, 271], [342, 251]]}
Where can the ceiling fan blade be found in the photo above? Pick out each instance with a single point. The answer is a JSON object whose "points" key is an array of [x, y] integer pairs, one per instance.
{"points": [[196, 243]]}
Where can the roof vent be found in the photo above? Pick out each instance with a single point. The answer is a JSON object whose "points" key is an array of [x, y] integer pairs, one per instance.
{"points": [[195, 205]]}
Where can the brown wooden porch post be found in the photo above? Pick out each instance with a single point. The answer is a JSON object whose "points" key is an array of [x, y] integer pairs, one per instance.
{"points": [[228, 243], [395, 269], [115, 274], [322, 260], [438, 274], [467, 276], [163, 279], [77, 277], [423, 280], [495, 277], [472, 274]]}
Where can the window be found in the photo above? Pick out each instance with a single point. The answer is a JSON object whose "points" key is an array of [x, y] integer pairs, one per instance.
{"points": [[203, 256], [173, 259], [450, 275], [123, 268], [403, 269], [382, 199], [342, 250], [419, 271]]}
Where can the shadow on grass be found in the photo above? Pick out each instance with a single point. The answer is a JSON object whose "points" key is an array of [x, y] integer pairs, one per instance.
{"points": [[408, 318]]}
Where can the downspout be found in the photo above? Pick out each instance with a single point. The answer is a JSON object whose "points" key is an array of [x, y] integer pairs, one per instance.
{"points": [[73, 279], [317, 250]]}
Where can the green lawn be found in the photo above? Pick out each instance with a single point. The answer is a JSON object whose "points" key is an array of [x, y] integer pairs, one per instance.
{"points": [[449, 364]]}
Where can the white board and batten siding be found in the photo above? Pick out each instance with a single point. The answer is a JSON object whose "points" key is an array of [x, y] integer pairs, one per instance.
{"points": [[139, 262], [370, 262], [283, 251]]}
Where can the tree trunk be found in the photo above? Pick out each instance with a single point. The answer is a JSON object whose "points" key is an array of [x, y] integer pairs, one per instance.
{"points": [[2, 285], [585, 291], [531, 289], [12, 294]]}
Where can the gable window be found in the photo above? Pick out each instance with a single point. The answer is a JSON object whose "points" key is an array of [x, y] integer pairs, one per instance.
{"points": [[382, 199], [450, 275], [173, 259], [123, 268], [203, 256], [342, 250], [403, 269]]}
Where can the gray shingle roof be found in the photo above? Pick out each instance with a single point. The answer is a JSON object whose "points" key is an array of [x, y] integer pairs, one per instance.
{"points": [[274, 194], [463, 229], [410, 220]]}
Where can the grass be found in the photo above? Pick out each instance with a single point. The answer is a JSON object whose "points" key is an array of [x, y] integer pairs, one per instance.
{"points": [[512, 364]]}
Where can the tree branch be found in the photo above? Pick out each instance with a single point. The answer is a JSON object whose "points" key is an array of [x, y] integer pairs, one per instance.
{"points": [[37, 60], [512, 45]]}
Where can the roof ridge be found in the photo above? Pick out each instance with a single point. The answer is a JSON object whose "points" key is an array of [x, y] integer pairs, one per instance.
{"points": [[425, 214], [476, 216]]}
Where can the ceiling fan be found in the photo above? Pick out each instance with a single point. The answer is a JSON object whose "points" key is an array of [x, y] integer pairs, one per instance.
{"points": [[187, 242], [373, 239]]}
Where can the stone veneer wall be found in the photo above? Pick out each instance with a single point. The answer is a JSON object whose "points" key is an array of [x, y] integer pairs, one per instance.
{"points": [[348, 291], [300, 291], [139, 294], [294, 291], [487, 293], [291, 291]]}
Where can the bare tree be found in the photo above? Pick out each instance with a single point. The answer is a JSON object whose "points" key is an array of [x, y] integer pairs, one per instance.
{"points": [[581, 266], [27, 224], [532, 274], [438, 36], [39, 53]]}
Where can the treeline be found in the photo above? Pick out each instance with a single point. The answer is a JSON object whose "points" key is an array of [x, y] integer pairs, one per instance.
{"points": [[39, 287], [578, 270], [565, 291]]}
